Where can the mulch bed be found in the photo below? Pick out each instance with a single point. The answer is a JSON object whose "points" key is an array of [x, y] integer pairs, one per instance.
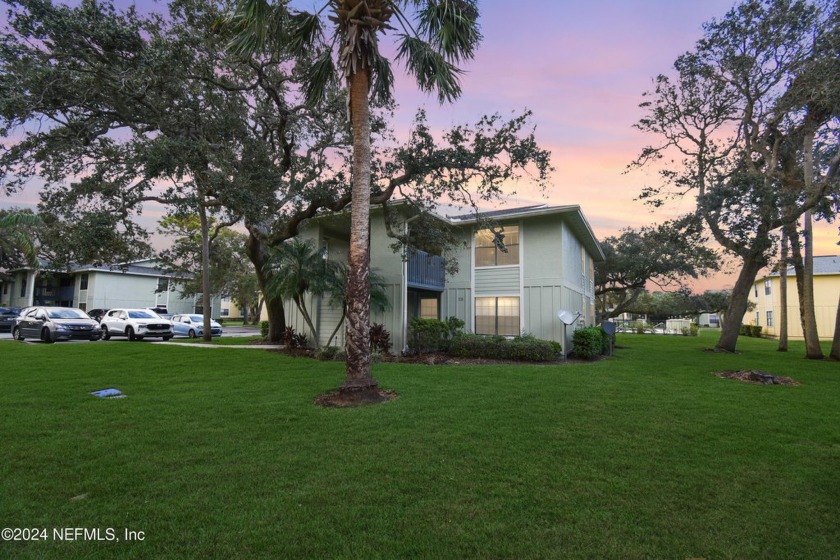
{"points": [[334, 399], [757, 376]]}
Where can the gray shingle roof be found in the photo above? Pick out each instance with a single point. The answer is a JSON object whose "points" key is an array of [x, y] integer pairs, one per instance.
{"points": [[822, 265]]}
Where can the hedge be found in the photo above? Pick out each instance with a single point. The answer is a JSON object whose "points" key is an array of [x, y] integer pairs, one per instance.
{"points": [[523, 348]]}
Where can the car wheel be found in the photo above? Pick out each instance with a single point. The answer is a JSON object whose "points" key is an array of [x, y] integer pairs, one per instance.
{"points": [[191, 334], [129, 332], [46, 336], [105, 334], [16, 334]]}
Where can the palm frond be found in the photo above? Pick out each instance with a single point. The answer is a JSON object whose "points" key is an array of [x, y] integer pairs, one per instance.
{"points": [[254, 24], [452, 27], [383, 79], [305, 33], [321, 74], [431, 69]]}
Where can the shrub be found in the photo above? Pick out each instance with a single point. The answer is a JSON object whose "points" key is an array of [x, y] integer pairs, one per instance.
{"points": [[294, 340], [523, 348], [639, 327], [380, 339], [587, 343], [694, 329], [327, 353], [685, 331], [756, 331], [427, 335], [264, 329]]}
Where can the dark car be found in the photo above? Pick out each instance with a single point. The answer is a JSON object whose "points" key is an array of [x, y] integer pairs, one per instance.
{"points": [[8, 315], [51, 324], [97, 314]]}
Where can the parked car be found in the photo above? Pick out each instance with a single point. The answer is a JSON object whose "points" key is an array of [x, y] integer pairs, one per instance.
{"points": [[136, 324], [97, 314], [7, 317], [192, 325], [51, 324]]}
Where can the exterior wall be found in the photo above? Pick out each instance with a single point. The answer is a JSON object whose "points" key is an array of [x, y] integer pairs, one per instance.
{"points": [[108, 290], [826, 293], [457, 297], [557, 276], [384, 261], [551, 276], [555, 273]]}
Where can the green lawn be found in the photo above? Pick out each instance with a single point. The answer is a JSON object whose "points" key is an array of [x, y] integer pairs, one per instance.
{"points": [[221, 454]]}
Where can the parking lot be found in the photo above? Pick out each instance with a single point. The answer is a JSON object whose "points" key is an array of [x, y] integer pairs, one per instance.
{"points": [[228, 332]]}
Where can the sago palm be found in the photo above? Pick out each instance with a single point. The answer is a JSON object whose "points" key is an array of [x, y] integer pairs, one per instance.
{"points": [[341, 40]]}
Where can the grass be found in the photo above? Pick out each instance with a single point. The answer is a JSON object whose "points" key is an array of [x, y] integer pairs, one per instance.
{"points": [[222, 454]]}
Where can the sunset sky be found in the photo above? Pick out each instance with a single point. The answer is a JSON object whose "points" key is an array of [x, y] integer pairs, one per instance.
{"points": [[581, 67]]}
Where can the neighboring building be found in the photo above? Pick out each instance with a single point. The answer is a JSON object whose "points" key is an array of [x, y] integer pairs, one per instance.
{"points": [[709, 320], [766, 297], [548, 267], [138, 284]]}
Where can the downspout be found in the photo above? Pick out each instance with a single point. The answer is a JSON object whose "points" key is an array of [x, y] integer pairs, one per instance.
{"points": [[404, 288]]}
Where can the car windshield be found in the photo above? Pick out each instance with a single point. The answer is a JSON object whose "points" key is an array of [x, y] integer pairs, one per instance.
{"points": [[142, 315], [9, 311], [66, 314], [196, 318]]}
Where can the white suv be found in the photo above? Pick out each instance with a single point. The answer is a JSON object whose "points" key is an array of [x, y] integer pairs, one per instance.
{"points": [[136, 324]]}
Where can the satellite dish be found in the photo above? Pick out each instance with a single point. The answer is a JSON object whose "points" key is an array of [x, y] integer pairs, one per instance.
{"points": [[609, 327], [567, 317]]}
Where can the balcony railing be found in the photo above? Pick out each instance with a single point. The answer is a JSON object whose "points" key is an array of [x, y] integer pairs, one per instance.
{"points": [[425, 271]]}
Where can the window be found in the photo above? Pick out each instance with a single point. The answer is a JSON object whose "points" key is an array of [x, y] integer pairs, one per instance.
{"points": [[757, 318], [767, 284], [83, 306], [22, 284], [83, 283], [769, 318], [497, 315], [486, 252], [162, 285], [428, 308], [756, 290]]}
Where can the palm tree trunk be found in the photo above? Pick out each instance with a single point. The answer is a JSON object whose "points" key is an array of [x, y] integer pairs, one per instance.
{"points": [[359, 384], [783, 297], [307, 318], [337, 327], [738, 303]]}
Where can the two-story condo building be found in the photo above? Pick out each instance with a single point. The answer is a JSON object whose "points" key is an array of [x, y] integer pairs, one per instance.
{"points": [[546, 266]]}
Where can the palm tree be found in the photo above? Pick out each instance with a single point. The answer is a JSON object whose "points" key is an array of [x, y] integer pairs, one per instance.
{"points": [[337, 290], [296, 269], [14, 239], [433, 36]]}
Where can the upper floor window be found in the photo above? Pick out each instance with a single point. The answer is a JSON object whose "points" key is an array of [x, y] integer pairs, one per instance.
{"points": [[488, 254], [767, 284], [83, 283]]}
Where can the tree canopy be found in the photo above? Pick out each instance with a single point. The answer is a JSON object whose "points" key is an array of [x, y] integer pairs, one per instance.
{"points": [[665, 256], [747, 123]]}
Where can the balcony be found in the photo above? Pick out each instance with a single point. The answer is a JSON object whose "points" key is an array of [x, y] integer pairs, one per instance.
{"points": [[425, 271]]}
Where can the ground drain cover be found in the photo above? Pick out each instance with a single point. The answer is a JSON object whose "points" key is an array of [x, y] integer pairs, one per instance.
{"points": [[108, 394]]}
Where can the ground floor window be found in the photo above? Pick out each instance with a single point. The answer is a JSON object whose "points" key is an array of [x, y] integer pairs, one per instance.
{"points": [[769, 318], [423, 303], [497, 316]]}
